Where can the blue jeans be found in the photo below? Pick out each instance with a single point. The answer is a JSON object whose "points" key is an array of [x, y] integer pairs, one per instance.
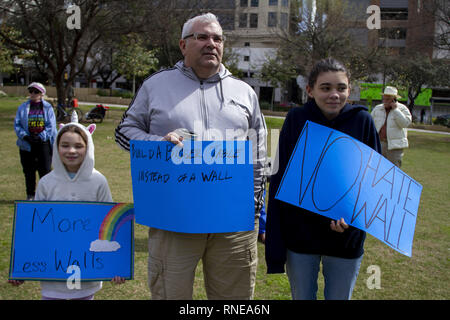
{"points": [[340, 275]]}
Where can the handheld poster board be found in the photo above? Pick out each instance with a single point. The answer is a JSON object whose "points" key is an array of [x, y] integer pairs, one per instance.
{"points": [[204, 187], [337, 176], [50, 237]]}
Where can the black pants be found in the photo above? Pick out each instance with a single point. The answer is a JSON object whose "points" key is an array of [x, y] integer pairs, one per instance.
{"points": [[38, 159]]}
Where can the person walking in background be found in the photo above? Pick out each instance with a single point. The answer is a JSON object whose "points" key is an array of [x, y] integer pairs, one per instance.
{"points": [[200, 96], [35, 127], [391, 120], [301, 239]]}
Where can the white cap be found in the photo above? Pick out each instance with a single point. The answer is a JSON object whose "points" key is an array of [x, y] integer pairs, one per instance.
{"points": [[38, 86], [391, 91]]}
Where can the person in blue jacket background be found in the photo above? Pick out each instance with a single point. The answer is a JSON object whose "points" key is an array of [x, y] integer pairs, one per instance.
{"points": [[35, 127]]}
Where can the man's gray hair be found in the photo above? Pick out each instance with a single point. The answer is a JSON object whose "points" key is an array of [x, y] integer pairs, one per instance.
{"points": [[206, 17]]}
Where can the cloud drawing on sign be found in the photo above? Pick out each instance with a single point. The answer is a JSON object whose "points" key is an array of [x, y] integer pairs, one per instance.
{"points": [[104, 246], [120, 214]]}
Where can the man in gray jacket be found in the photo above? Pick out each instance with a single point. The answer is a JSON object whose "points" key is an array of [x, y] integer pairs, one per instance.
{"points": [[199, 97]]}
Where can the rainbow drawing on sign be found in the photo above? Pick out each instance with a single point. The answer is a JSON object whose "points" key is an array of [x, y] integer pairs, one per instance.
{"points": [[120, 214]]}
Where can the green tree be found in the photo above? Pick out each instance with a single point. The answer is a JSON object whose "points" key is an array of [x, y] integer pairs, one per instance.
{"points": [[416, 72], [6, 61], [276, 74], [134, 60], [231, 60]]}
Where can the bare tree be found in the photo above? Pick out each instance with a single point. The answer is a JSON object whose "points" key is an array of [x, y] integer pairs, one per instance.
{"points": [[42, 27], [163, 21], [327, 29], [440, 9]]}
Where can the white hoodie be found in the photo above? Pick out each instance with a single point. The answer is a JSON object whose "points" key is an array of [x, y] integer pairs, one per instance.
{"points": [[87, 185]]}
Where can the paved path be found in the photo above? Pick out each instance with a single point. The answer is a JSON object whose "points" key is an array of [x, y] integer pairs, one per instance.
{"points": [[266, 116], [429, 131], [106, 104]]}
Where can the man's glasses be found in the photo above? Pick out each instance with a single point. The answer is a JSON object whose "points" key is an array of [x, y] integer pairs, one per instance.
{"points": [[205, 37], [34, 91]]}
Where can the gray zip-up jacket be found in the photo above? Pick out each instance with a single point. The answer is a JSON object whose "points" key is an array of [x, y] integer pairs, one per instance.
{"points": [[218, 108]]}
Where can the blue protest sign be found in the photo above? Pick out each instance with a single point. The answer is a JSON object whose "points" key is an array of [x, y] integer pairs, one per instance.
{"points": [[50, 237], [335, 175], [204, 187]]}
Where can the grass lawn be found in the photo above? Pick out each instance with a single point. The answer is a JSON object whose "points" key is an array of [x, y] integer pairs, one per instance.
{"points": [[424, 276]]}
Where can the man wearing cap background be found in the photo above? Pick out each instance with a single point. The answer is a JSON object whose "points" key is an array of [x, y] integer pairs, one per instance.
{"points": [[35, 127], [391, 120]]}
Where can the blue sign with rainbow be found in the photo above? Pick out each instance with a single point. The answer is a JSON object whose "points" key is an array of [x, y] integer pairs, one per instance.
{"points": [[49, 238]]}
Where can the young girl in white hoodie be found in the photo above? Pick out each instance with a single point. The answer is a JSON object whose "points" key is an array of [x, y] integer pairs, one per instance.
{"points": [[73, 178]]}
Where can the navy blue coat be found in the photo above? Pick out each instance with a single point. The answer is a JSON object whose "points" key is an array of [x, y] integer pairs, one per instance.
{"points": [[297, 229]]}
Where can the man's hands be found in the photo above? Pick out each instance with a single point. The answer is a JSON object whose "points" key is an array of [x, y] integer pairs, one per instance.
{"points": [[175, 138]]}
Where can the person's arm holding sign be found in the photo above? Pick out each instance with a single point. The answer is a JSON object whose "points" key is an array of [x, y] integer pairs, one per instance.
{"points": [[174, 138], [339, 225], [16, 283], [136, 122]]}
